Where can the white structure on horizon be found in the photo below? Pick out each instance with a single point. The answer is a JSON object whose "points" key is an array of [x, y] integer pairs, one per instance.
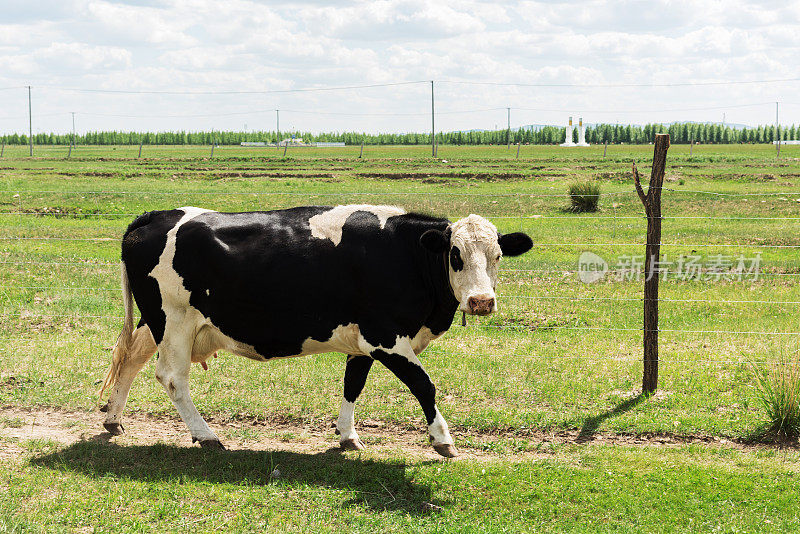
{"points": [[581, 133], [568, 137]]}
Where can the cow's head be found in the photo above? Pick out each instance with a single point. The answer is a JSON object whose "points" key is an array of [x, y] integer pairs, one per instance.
{"points": [[474, 248]]}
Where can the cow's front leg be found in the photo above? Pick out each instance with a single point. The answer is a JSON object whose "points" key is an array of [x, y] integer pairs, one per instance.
{"points": [[355, 376], [172, 370], [407, 367]]}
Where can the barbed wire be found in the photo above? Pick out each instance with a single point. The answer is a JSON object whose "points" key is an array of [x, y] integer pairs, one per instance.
{"points": [[685, 245], [434, 352], [525, 356], [77, 215], [530, 329], [298, 193], [499, 296], [544, 328], [372, 193], [642, 299], [502, 270]]}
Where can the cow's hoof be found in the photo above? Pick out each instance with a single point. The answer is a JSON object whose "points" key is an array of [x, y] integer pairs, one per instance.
{"points": [[212, 444], [351, 445], [446, 450], [115, 429]]}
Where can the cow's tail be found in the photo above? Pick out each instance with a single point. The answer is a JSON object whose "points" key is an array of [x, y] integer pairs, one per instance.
{"points": [[121, 350]]}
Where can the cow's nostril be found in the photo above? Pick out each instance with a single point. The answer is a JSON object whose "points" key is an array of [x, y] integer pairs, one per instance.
{"points": [[480, 306]]}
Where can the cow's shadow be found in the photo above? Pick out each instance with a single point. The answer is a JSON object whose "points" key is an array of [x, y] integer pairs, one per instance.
{"points": [[377, 484]]}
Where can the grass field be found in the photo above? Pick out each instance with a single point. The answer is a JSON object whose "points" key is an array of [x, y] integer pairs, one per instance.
{"points": [[559, 355]]}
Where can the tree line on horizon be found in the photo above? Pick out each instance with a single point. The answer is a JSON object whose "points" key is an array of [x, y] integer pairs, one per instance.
{"points": [[547, 135]]}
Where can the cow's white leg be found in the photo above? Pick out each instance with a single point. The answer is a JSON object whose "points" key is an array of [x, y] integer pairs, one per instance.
{"points": [[406, 366], [142, 348], [172, 371], [355, 375]]}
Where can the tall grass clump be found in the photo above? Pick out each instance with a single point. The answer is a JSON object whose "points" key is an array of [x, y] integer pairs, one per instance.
{"points": [[584, 196], [777, 386]]}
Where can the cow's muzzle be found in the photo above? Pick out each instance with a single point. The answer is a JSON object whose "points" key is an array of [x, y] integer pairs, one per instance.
{"points": [[480, 305]]}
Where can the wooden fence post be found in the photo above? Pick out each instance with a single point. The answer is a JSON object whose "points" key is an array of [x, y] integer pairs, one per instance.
{"points": [[361, 154], [652, 207], [140, 148], [605, 148], [518, 145], [3, 149]]}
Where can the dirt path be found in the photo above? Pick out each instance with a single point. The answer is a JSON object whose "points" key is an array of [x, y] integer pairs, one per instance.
{"points": [[18, 425]]}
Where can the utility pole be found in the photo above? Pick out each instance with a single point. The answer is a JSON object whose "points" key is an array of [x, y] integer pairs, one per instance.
{"points": [[508, 129], [30, 123], [433, 127], [777, 135]]}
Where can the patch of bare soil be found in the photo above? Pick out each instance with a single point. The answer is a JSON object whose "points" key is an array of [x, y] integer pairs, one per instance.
{"points": [[18, 425], [243, 174], [488, 177]]}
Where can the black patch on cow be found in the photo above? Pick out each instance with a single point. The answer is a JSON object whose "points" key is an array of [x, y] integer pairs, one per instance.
{"points": [[415, 378], [514, 244], [264, 280], [142, 245], [355, 376], [435, 240], [455, 259]]}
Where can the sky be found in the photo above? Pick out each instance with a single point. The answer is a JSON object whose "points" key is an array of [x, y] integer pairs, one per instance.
{"points": [[140, 64]]}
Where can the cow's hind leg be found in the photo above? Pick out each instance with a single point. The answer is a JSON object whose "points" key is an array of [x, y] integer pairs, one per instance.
{"points": [[407, 367], [172, 371], [141, 349], [355, 375]]}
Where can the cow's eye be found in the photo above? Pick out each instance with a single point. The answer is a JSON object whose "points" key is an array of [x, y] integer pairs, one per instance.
{"points": [[498, 257], [455, 259]]}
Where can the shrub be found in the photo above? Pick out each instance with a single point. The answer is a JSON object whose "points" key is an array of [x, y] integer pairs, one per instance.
{"points": [[777, 386], [584, 196]]}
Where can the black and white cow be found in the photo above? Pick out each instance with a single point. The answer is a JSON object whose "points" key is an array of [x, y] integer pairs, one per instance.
{"points": [[372, 282]]}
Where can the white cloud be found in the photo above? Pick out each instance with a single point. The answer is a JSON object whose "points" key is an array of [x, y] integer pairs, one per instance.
{"points": [[82, 57], [248, 45]]}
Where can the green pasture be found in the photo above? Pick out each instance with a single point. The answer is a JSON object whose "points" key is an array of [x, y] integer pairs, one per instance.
{"points": [[573, 488], [560, 354]]}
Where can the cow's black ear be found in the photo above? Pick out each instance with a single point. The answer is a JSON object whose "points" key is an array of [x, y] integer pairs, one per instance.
{"points": [[435, 241], [514, 244]]}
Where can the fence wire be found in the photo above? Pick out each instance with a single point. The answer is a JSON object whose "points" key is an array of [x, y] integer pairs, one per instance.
{"points": [[97, 214]]}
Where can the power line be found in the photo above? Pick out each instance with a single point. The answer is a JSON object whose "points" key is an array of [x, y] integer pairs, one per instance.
{"points": [[261, 92], [36, 115], [382, 114], [704, 108], [415, 82], [594, 85]]}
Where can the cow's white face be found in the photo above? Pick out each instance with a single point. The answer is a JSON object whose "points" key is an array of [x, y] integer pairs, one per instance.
{"points": [[474, 249]]}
